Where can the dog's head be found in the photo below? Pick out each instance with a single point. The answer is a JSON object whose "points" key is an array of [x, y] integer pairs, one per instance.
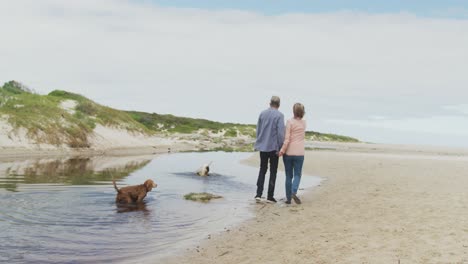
{"points": [[149, 184]]}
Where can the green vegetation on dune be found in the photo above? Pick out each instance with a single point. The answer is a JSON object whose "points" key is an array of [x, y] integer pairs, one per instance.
{"points": [[42, 117], [100, 114], [46, 121], [311, 135], [14, 87], [185, 125], [66, 118]]}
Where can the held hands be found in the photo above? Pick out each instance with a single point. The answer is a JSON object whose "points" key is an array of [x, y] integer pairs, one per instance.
{"points": [[280, 153]]}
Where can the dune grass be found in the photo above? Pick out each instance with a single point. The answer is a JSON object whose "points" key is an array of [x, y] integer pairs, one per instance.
{"points": [[47, 122], [100, 114], [316, 136], [186, 125]]}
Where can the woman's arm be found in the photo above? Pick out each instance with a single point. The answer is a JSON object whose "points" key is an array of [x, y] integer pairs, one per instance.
{"points": [[287, 139]]}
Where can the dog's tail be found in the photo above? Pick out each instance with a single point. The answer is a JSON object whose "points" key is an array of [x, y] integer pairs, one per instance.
{"points": [[115, 186]]}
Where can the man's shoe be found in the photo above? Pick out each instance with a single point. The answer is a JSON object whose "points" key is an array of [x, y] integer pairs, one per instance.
{"points": [[271, 200], [288, 202], [258, 198], [296, 199]]}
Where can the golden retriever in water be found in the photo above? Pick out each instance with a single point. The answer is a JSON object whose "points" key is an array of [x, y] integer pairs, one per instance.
{"points": [[133, 194]]}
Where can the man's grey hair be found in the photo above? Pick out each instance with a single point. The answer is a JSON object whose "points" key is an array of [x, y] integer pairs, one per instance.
{"points": [[275, 101]]}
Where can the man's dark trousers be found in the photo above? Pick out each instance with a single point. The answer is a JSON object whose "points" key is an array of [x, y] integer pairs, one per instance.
{"points": [[271, 156]]}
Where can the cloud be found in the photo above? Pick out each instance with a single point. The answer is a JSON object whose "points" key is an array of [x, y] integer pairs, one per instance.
{"points": [[434, 124], [224, 65], [457, 109], [451, 12]]}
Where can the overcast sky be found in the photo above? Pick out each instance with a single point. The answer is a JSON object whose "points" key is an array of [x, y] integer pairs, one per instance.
{"points": [[379, 72]]}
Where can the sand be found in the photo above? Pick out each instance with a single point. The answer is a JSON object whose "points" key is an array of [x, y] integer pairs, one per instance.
{"points": [[383, 205], [107, 140], [112, 141]]}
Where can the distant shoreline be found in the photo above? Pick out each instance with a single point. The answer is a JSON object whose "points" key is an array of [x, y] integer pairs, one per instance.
{"points": [[8, 153], [23, 153]]}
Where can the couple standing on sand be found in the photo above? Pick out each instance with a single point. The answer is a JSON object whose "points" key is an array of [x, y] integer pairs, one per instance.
{"points": [[274, 141]]}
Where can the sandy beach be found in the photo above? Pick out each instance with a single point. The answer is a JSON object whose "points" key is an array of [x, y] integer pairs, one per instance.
{"points": [[381, 205]]}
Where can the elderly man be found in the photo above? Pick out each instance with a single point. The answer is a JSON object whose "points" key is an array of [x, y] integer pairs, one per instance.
{"points": [[270, 137]]}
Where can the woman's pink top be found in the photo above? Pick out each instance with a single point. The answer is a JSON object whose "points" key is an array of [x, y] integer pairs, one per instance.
{"points": [[294, 138]]}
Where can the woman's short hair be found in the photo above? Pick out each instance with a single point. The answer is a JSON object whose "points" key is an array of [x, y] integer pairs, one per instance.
{"points": [[298, 110]]}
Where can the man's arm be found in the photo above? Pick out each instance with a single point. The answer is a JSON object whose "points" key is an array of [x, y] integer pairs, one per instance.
{"points": [[259, 124], [280, 129]]}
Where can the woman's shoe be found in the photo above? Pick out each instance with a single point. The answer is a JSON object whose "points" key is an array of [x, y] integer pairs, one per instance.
{"points": [[296, 199]]}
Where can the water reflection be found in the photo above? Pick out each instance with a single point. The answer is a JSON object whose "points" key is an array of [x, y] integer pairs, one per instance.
{"points": [[68, 171], [133, 207]]}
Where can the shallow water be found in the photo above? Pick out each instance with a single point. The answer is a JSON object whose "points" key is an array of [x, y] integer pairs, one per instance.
{"points": [[63, 210]]}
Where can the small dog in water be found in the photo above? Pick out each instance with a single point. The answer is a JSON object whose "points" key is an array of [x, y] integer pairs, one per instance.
{"points": [[204, 170], [133, 194]]}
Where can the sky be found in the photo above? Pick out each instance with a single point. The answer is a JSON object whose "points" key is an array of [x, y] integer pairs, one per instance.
{"points": [[381, 71], [428, 8]]}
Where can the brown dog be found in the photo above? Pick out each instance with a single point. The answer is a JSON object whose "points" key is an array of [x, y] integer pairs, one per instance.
{"points": [[133, 194]]}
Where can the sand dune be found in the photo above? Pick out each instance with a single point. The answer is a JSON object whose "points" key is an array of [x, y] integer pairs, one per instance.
{"points": [[103, 140]]}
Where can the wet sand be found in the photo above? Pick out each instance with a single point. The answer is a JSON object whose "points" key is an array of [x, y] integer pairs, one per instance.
{"points": [[380, 205]]}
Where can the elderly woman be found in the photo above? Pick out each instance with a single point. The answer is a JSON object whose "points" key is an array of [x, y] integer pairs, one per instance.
{"points": [[293, 152]]}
